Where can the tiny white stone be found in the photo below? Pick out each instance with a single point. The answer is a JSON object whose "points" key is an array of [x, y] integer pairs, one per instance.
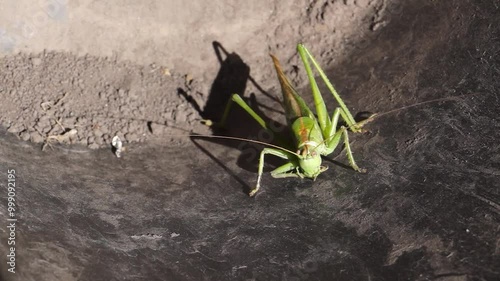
{"points": [[116, 142]]}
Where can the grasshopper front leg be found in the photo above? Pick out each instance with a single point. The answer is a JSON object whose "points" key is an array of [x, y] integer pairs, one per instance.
{"points": [[343, 131], [277, 172], [280, 171], [333, 140], [235, 98]]}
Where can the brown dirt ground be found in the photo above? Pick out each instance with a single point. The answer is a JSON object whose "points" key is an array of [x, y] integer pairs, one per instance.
{"points": [[50, 92]]}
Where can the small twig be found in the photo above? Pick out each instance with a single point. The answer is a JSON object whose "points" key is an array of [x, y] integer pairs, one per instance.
{"points": [[58, 121], [64, 137]]}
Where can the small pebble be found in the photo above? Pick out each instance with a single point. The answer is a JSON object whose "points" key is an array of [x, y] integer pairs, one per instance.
{"points": [[42, 125], [106, 138], [5, 123], [157, 129], [99, 141], [46, 129], [69, 122], [132, 137], [15, 129], [24, 135], [82, 141], [36, 137], [82, 120], [36, 61], [104, 130], [181, 116], [93, 146]]}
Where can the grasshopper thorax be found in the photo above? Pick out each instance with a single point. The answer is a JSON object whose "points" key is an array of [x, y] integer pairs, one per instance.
{"points": [[309, 161]]}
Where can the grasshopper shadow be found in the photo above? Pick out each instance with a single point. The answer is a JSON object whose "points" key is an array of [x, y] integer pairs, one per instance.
{"points": [[232, 78]]}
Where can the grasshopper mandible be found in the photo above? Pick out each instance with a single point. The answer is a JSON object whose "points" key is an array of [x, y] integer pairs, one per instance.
{"points": [[314, 136]]}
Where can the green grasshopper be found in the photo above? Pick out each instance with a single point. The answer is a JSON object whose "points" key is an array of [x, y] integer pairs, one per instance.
{"points": [[314, 136]]}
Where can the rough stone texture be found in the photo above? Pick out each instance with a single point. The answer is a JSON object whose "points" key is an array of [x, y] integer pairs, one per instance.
{"points": [[428, 208]]}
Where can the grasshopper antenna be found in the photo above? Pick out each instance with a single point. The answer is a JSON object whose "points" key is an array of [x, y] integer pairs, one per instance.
{"points": [[376, 115], [242, 139], [191, 134]]}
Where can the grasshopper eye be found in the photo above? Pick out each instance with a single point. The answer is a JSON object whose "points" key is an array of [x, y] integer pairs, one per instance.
{"points": [[302, 152]]}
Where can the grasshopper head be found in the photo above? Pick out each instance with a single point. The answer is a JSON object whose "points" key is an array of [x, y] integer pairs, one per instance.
{"points": [[310, 162]]}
